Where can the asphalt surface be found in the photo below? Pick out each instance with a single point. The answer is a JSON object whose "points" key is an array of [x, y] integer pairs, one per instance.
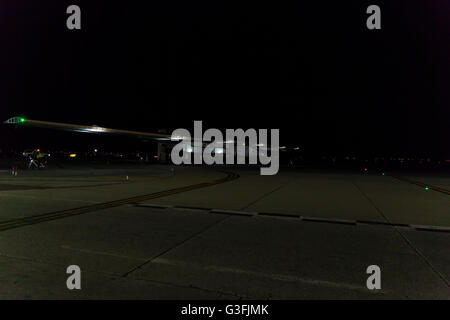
{"points": [[202, 233]]}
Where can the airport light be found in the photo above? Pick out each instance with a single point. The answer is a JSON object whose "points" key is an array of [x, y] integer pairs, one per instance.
{"points": [[73, 155], [427, 188]]}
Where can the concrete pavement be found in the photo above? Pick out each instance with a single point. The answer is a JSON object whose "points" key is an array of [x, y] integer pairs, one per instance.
{"points": [[217, 243]]}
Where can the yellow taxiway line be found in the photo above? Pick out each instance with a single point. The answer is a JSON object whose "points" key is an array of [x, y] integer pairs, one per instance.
{"points": [[20, 222]]}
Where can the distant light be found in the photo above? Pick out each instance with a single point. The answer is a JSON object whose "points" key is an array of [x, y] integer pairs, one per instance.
{"points": [[73, 155], [383, 174], [95, 150], [22, 120], [365, 169], [427, 188]]}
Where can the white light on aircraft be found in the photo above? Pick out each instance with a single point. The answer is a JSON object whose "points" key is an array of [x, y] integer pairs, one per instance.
{"points": [[92, 130], [96, 129]]}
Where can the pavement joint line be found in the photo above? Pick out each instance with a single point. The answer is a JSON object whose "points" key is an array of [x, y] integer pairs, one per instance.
{"points": [[34, 219], [117, 275], [265, 195], [407, 241], [158, 255], [421, 184]]}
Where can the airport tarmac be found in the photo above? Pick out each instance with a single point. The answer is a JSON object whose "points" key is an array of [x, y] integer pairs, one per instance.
{"points": [[222, 233]]}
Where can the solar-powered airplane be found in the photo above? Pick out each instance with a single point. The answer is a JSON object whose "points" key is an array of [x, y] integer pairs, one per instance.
{"points": [[164, 140]]}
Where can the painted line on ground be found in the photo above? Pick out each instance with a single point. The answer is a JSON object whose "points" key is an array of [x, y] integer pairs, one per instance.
{"points": [[265, 275], [193, 208], [20, 222], [155, 206], [233, 212], [430, 228], [280, 215], [293, 216], [327, 220], [383, 223], [421, 184]]}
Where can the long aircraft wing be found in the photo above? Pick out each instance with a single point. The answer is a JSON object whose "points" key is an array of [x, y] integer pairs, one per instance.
{"points": [[87, 129], [20, 121]]}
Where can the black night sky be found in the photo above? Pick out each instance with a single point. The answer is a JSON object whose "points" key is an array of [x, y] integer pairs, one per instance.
{"points": [[310, 68]]}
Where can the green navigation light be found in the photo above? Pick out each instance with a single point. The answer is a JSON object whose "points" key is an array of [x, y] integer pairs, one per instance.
{"points": [[427, 188], [22, 120]]}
